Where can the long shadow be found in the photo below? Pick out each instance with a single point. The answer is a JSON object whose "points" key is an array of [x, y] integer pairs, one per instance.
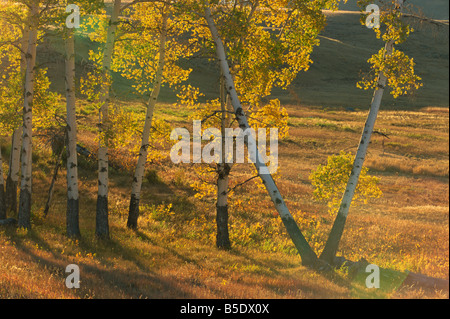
{"points": [[128, 282], [239, 253], [146, 238], [332, 276]]}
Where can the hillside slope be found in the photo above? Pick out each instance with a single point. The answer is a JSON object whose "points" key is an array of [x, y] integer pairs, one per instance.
{"points": [[345, 47]]}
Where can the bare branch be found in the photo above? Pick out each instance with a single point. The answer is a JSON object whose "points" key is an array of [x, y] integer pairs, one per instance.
{"points": [[240, 184]]}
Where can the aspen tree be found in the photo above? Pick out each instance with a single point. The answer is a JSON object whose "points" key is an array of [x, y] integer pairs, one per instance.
{"points": [[307, 254], [13, 174], [101, 220], [12, 180], [14, 39], [392, 68], [24, 216], [24, 21], [148, 52], [16, 18], [223, 175], [72, 216], [68, 24], [143, 151], [267, 43]]}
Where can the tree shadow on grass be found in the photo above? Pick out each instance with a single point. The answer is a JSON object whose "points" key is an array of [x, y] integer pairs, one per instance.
{"points": [[172, 251], [96, 279]]}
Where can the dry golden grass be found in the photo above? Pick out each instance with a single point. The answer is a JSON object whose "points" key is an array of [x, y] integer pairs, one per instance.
{"points": [[173, 254]]}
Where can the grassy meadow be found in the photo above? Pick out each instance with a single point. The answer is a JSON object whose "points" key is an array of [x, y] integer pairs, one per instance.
{"points": [[173, 254]]}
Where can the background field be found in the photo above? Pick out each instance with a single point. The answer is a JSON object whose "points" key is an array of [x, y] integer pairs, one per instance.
{"points": [[173, 255], [345, 47]]}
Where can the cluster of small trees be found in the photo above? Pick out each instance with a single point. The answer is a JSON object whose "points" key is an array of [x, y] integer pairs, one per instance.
{"points": [[259, 45]]}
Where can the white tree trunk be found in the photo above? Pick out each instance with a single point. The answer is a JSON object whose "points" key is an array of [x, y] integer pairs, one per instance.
{"points": [[332, 243], [143, 152], [223, 173], [12, 181], [24, 48], [102, 225], [307, 254], [72, 214], [24, 216]]}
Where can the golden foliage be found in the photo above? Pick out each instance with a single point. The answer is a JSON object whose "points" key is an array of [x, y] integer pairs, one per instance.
{"points": [[397, 67], [399, 70], [330, 181]]}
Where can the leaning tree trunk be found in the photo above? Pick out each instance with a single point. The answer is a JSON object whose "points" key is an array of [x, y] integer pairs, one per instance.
{"points": [[307, 254], [52, 183], [72, 214], [2, 190], [12, 180], [101, 220], [223, 172], [24, 216], [136, 187], [331, 246]]}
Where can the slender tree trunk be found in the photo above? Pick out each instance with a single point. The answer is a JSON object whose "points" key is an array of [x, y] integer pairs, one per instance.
{"points": [[223, 170], [72, 214], [24, 217], [12, 180], [307, 254], [143, 152], [24, 47], [101, 221], [52, 184], [334, 238], [2, 190]]}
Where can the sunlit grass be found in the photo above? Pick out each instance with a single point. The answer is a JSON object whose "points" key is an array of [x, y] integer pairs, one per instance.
{"points": [[173, 254]]}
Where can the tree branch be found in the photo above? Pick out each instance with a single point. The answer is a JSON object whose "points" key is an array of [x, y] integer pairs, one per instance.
{"points": [[240, 184]]}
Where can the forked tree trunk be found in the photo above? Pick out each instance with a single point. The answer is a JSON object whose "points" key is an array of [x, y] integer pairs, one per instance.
{"points": [[2, 190], [24, 216], [332, 244], [223, 172], [12, 180], [307, 254], [72, 214], [101, 220], [136, 187]]}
